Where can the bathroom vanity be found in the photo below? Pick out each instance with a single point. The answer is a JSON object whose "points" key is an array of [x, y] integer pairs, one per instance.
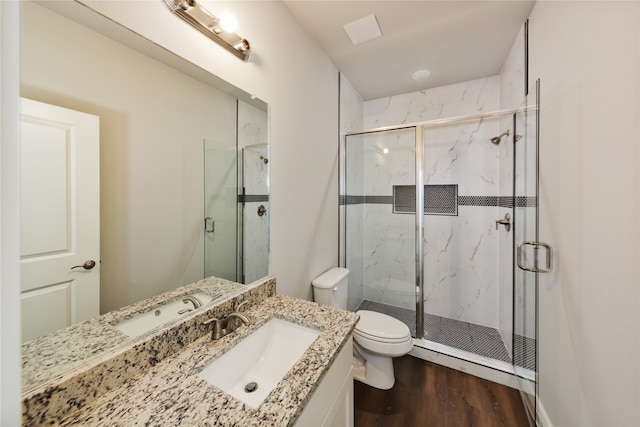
{"points": [[154, 380]]}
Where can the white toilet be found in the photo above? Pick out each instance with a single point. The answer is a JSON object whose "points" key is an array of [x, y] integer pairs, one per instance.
{"points": [[377, 337]]}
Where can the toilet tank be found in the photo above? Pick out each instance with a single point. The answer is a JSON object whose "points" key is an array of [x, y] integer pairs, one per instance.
{"points": [[332, 288]]}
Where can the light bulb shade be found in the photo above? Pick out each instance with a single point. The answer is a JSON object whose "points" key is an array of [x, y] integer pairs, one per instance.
{"points": [[218, 29], [228, 22]]}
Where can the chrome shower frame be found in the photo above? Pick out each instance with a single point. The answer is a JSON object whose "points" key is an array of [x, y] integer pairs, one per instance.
{"points": [[419, 128]]}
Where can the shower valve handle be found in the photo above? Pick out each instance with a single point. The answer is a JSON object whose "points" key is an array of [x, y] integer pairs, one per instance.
{"points": [[506, 222]]}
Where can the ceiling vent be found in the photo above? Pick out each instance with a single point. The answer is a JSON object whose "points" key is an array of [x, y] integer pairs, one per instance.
{"points": [[363, 29]]}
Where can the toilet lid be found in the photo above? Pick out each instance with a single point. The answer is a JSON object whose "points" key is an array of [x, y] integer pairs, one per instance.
{"points": [[379, 326]]}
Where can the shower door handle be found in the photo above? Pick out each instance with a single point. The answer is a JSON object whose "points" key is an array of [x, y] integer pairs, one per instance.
{"points": [[209, 225], [536, 246]]}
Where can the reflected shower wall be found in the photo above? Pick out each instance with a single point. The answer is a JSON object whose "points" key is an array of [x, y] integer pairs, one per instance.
{"points": [[253, 195], [237, 200]]}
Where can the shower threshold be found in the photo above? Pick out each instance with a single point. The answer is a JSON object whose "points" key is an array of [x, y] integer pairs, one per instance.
{"points": [[468, 337]]}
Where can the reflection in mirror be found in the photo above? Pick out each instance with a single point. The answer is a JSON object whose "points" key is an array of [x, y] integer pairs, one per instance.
{"points": [[237, 200], [153, 119], [253, 175], [47, 359]]}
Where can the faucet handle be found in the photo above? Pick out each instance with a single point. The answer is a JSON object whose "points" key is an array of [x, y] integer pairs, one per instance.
{"points": [[234, 320], [216, 333]]}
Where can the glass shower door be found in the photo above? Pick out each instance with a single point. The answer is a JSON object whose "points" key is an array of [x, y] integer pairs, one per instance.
{"points": [[220, 209], [531, 256], [379, 205]]}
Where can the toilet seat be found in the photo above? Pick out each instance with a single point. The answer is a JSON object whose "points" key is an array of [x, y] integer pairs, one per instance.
{"points": [[382, 334], [381, 327]]}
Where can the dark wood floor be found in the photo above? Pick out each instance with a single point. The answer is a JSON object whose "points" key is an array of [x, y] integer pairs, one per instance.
{"points": [[430, 395]]}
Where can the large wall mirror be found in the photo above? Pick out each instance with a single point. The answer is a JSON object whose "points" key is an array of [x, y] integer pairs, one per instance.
{"points": [[183, 167]]}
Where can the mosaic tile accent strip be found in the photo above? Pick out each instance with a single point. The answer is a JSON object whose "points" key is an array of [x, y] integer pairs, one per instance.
{"points": [[438, 199], [248, 198], [478, 200], [359, 200], [526, 201], [502, 201], [477, 339]]}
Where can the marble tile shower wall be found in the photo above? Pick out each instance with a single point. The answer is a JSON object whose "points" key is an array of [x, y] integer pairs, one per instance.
{"points": [[461, 258], [253, 136], [458, 99], [388, 238], [460, 251]]}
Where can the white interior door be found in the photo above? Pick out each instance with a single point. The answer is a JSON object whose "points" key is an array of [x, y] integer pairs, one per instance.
{"points": [[60, 217]]}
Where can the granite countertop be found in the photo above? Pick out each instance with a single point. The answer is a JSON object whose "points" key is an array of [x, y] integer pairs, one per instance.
{"points": [[171, 393]]}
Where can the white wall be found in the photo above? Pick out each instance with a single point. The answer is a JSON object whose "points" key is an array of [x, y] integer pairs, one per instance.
{"points": [[9, 232], [292, 74], [587, 57]]}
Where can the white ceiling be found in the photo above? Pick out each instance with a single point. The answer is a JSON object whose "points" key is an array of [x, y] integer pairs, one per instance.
{"points": [[456, 40]]}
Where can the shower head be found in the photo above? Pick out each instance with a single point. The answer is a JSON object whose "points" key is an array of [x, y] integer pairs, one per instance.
{"points": [[496, 139], [264, 159]]}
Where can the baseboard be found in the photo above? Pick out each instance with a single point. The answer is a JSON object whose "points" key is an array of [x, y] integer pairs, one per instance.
{"points": [[498, 372], [543, 418]]}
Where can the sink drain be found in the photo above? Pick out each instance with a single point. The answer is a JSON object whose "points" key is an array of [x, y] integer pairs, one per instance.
{"points": [[251, 387]]}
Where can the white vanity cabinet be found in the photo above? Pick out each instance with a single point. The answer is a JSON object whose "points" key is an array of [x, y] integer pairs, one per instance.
{"points": [[331, 404]]}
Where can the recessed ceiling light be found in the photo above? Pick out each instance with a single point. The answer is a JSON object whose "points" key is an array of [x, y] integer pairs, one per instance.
{"points": [[421, 75], [363, 29]]}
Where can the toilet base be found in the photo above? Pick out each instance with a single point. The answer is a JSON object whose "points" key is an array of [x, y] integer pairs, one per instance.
{"points": [[373, 370]]}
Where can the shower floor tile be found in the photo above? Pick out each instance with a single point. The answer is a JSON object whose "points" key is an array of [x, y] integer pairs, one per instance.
{"points": [[524, 349], [477, 339]]}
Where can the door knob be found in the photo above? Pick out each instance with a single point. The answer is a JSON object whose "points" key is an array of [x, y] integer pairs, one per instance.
{"points": [[88, 265]]}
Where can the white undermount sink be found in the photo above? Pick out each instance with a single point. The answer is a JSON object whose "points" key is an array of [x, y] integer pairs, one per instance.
{"points": [[145, 322], [252, 368]]}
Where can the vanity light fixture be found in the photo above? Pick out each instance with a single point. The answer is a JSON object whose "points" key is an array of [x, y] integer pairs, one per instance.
{"points": [[219, 29]]}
